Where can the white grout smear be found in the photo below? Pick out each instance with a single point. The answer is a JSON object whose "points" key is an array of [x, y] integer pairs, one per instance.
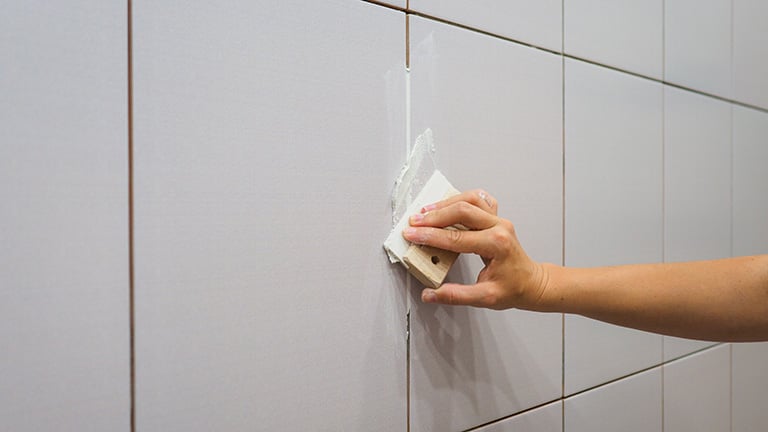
{"points": [[413, 176]]}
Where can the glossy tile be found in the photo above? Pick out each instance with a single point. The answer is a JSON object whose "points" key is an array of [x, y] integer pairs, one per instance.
{"points": [[750, 387], [548, 418], [495, 110], [613, 207], [629, 405], [697, 391], [750, 52], [750, 181], [538, 23], [697, 45], [697, 176], [64, 316], [264, 299], [626, 34]]}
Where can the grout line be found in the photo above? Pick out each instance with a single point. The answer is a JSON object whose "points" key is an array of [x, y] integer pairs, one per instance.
{"points": [[663, 40], [131, 268], [730, 387], [408, 283], [562, 256], [386, 5], [663, 175], [500, 419], [732, 148], [573, 57]]}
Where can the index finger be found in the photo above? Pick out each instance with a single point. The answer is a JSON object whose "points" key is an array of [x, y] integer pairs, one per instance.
{"points": [[477, 197]]}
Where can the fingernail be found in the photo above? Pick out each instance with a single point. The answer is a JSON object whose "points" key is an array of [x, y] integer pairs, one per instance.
{"points": [[417, 218], [428, 296], [428, 208]]}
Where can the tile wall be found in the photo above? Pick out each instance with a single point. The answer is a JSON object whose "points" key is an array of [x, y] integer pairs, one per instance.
{"points": [[261, 140]]}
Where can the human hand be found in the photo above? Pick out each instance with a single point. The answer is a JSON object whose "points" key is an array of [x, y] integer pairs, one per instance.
{"points": [[510, 278]]}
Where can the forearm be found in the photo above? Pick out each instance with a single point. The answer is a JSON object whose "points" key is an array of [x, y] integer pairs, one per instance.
{"points": [[723, 300]]}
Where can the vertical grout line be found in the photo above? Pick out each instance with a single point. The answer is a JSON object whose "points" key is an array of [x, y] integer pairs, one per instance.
{"points": [[663, 40], [663, 173], [131, 279], [732, 148], [408, 278], [730, 387], [562, 232]]}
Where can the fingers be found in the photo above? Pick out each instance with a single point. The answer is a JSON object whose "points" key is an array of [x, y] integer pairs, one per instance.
{"points": [[478, 198], [453, 240], [460, 212], [478, 295]]}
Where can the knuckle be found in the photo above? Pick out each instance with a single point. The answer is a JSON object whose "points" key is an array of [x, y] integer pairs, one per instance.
{"points": [[464, 209], [501, 238], [455, 236]]}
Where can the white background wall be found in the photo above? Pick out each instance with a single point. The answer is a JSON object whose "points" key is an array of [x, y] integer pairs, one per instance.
{"points": [[265, 140]]}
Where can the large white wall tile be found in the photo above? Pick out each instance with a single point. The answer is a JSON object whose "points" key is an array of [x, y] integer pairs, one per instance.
{"points": [[64, 285], [697, 44], [548, 418], [613, 207], [697, 392], [267, 138], [538, 23], [750, 387], [675, 347], [750, 181], [627, 34], [629, 405], [697, 176], [495, 108], [750, 52]]}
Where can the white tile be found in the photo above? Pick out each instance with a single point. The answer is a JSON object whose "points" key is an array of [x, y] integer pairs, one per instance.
{"points": [[750, 182], [548, 418], [675, 347], [538, 23], [64, 313], [627, 34], [629, 405], [750, 52], [267, 138], [750, 387], [613, 207], [697, 45], [697, 392], [495, 110], [697, 176]]}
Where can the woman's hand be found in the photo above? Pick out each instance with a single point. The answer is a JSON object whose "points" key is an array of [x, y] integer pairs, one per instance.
{"points": [[510, 278]]}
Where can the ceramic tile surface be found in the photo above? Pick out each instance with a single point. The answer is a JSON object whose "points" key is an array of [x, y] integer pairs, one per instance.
{"points": [[630, 405], [750, 182], [750, 52], [538, 23], [627, 34], [264, 299], [697, 392], [548, 418], [697, 177], [697, 45], [64, 219], [495, 111], [750, 387], [613, 198], [675, 347]]}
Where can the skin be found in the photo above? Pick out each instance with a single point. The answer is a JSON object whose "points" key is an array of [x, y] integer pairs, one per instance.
{"points": [[719, 300]]}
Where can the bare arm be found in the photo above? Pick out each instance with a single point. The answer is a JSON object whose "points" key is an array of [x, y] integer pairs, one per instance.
{"points": [[720, 300]]}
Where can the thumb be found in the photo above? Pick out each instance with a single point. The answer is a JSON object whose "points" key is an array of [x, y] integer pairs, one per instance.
{"points": [[479, 295]]}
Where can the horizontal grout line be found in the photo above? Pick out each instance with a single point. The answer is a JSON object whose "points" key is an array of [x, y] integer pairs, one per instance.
{"points": [[566, 55], [527, 410], [659, 366]]}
